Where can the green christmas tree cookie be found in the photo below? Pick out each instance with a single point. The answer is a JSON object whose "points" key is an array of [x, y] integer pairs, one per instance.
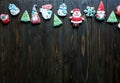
{"points": [[112, 18], [57, 21], [25, 17]]}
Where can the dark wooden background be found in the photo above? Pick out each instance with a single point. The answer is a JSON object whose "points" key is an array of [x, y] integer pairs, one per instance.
{"points": [[44, 54]]}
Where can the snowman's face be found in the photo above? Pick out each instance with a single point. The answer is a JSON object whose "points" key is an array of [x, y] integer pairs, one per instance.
{"points": [[77, 14], [14, 12]]}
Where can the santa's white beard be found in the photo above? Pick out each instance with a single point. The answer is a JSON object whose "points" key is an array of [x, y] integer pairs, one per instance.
{"points": [[101, 15], [76, 15]]}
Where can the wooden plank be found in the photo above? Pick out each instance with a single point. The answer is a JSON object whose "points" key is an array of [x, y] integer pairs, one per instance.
{"points": [[70, 45], [15, 46], [112, 63], [97, 58], [25, 70], [56, 48], [84, 40], [4, 44], [41, 37]]}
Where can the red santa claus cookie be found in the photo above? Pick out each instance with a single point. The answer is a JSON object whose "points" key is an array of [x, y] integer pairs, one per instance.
{"points": [[76, 17]]}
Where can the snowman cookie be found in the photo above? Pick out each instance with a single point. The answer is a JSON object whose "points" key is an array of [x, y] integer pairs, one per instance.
{"points": [[62, 11], [14, 10]]}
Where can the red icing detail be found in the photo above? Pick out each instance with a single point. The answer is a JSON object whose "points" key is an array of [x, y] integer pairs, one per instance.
{"points": [[118, 10], [101, 6], [6, 21], [47, 6], [35, 19], [76, 19], [76, 9], [118, 13], [6, 18]]}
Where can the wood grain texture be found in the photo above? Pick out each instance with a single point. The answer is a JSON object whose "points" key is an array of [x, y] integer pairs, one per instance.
{"points": [[46, 54]]}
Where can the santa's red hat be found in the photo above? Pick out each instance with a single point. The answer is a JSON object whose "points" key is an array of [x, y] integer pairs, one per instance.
{"points": [[101, 6], [47, 6], [75, 10]]}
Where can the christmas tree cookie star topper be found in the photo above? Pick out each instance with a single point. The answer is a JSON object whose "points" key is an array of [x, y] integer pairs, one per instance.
{"points": [[112, 18], [89, 11], [14, 10], [100, 15], [46, 11], [62, 11], [57, 21], [35, 19], [76, 17], [25, 17], [118, 10], [4, 18]]}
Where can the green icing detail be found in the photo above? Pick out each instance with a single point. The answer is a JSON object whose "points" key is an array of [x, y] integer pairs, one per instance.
{"points": [[100, 19], [112, 18], [57, 21], [25, 17]]}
